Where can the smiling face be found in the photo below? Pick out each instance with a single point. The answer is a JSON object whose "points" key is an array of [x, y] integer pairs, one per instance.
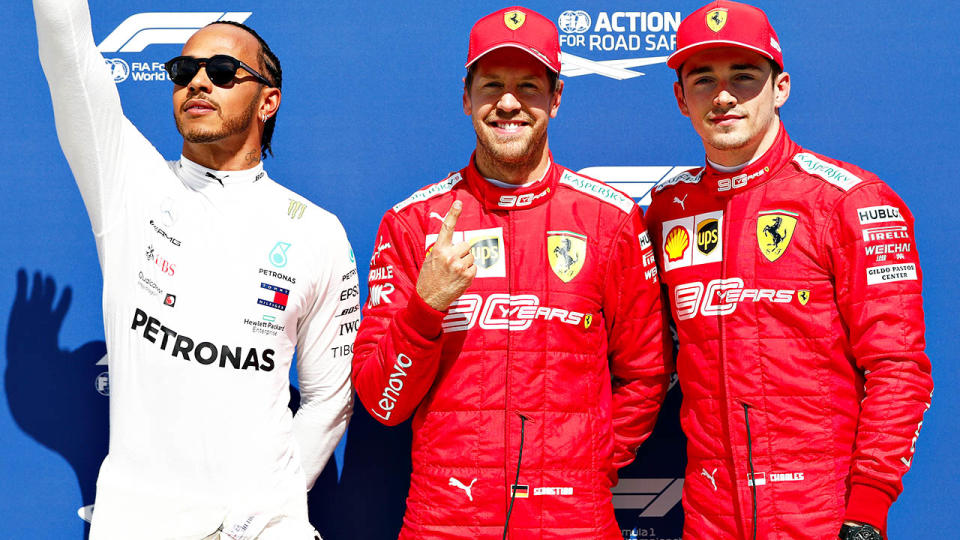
{"points": [[511, 103], [207, 113], [732, 97]]}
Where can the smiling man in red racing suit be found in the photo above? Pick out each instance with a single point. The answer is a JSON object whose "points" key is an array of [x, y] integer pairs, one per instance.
{"points": [[514, 311], [794, 284]]}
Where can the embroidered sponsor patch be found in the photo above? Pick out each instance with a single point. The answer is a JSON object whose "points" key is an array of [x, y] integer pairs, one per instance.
{"points": [[428, 192], [891, 272], [692, 240], [684, 177], [598, 190], [831, 173]]}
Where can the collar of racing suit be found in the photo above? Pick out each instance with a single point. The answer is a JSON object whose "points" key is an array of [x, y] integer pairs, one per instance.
{"points": [[198, 177], [495, 197], [756, 173]]}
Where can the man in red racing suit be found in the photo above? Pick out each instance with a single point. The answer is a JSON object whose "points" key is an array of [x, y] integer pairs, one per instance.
{"points": [[538, 376], [794, 284]]}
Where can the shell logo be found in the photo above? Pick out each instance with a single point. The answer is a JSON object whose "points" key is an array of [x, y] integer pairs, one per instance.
{"points": [[676, 244]]}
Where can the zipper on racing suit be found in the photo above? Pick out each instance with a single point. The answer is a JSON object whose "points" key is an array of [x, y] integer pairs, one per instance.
{"points": [[753, 479], [513, 488]]}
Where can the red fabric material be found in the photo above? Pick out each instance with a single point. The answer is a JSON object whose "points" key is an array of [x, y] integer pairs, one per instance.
{"points": [[726, 24], [582, 360], [802, 302], [516, 27]]}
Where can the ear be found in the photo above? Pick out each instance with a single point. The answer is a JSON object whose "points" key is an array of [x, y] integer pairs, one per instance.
{"points": [[781, 89], [681, 99], [555, 99], [467, 105], [269, 102]]}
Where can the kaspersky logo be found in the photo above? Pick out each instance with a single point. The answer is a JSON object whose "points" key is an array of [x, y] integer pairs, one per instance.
{"points": [[636, 181], [139, 31]]}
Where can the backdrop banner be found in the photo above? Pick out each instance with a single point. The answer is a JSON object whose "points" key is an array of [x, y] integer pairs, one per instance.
{"points": [[371, 113]]}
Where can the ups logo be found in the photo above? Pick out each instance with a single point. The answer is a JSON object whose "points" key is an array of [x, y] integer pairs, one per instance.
{"points": [[486, 251], [708, 235]]}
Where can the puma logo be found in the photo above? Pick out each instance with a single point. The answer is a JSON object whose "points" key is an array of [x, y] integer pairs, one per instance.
{"points": [[680, 201], [709, 476], [466, 489]]}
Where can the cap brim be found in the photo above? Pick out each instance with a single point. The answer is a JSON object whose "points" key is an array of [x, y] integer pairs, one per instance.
{"points": [[534, 53], [677, 59]]}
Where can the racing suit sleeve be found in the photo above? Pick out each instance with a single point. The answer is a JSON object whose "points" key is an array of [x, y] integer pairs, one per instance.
{"points": [[639, 364], [91, 127], [324, 342], [400, 340], [878, 283]]}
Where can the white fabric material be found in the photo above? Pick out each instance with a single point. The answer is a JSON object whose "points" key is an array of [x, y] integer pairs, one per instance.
{"points": [[200, 433], [733, 168]]}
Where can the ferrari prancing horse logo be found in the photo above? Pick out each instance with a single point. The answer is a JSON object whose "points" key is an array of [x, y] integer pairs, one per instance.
{"points": [[566, 252], [716, 19], [514, 19], [774, 231]]}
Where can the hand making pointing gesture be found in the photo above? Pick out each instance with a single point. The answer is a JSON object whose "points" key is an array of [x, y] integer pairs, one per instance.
{"points": [[448, 268]]}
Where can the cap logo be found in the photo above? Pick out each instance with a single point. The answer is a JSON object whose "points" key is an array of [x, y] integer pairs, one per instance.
{"points": [[716, 19], [514, 19]]}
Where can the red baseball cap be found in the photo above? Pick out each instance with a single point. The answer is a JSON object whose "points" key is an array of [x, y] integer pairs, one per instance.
{"points": [[726, 24], [516, 27]]}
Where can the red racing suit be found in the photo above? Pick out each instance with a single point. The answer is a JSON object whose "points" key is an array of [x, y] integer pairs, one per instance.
{"points": [[557, 346], [794, 285]]}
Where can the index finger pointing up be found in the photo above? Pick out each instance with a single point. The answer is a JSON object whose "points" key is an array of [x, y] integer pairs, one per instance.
{"points": [[445, 237]]}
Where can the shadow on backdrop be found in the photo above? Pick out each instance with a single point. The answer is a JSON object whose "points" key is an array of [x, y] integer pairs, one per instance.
{"points": [[369, 500], [54, 394]]}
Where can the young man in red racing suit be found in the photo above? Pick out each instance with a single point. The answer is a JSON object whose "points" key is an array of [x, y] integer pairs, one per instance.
{"points": [[794, 284], [514, 312]]}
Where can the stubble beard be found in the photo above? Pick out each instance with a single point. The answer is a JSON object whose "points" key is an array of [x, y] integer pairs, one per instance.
{"points": [[231, 126], [513, 154]]}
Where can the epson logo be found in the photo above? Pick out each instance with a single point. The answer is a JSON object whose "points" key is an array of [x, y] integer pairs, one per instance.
{"points": [[141, 30]]}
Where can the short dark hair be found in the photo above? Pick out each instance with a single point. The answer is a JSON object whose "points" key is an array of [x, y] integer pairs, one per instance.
{"points": [[552, 77], [270, 67], [774, 69]]}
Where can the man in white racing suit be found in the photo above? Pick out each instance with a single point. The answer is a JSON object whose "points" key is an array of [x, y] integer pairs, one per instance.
{"points": [[213, 275]]}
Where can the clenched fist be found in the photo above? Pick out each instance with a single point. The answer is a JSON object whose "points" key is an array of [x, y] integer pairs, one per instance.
{"points": [[449, 268]]}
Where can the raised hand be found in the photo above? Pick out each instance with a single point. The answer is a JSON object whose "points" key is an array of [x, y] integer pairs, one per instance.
{"points": [[449, 268]]}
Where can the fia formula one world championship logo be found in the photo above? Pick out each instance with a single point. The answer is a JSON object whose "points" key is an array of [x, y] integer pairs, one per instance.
{"points": [[139, 31]]}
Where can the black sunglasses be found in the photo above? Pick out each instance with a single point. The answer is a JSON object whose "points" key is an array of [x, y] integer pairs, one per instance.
{"points": [[221, 69]]}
